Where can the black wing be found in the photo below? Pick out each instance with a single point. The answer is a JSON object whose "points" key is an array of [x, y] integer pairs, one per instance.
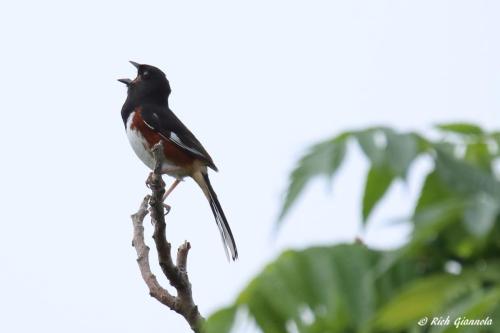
{"points": [[165, 122]]}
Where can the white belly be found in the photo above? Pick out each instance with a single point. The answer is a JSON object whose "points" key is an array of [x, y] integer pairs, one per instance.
{"points": [[139, 144], [141, 149]]}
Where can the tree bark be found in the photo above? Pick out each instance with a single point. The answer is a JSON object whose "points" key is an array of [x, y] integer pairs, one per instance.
{"points": [[176, 274]]}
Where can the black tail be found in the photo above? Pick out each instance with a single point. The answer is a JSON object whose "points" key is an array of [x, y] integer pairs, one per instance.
{"points": [[220, 218]]}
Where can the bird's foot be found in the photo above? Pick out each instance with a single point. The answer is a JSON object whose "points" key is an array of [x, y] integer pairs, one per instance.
{"points": [[150, 180], [167, 210]]}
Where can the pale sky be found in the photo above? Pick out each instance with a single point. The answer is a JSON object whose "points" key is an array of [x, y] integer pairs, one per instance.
{"points": [[257, 82]]}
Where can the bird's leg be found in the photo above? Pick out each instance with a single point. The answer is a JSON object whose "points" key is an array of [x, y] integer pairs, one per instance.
{"points": [[171, 188], [149, 183], [167, 171]]}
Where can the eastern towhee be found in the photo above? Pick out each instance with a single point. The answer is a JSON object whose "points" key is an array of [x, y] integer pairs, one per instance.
{"points": [[149, 120]]}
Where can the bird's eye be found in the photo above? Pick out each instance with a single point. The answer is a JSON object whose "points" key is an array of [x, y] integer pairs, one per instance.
{"points": [[145, 74]]}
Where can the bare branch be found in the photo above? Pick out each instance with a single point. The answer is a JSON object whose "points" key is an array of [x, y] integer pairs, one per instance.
{"points": [[176, 274], [155, 289]]}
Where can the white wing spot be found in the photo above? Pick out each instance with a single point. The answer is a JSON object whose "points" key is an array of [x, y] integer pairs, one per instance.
{"points": [[175, 139]]}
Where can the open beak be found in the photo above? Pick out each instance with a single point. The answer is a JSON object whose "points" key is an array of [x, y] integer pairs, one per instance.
{"points": [[127, 82], [136, 65]]}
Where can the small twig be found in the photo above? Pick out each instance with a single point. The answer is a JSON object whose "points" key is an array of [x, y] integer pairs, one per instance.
{"points": [[182, 253], [176, 274]]}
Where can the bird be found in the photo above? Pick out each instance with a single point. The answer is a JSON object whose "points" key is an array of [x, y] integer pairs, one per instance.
{"points": [[148, 120]]}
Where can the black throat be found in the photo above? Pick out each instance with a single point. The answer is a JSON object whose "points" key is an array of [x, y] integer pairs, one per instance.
{"points": [[133, 102]]}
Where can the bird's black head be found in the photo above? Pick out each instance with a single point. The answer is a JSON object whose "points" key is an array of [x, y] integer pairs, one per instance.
{"points": [[150, 85]]}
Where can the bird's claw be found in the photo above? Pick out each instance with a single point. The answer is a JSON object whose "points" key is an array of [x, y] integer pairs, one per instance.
{"points": [[150, 180], [167, 209]]}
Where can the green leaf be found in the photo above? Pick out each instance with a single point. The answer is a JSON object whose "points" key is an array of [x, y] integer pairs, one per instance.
{"points": [[378, 182], [461, 128], [481, 214], [334, 283], [464, 178], [425, 297], [323, 159], [432, 220], [373, 145], [477, 153], [478, 304], [350, 288], [221, 321], [384, 147], [433, 191], [401, 151]]}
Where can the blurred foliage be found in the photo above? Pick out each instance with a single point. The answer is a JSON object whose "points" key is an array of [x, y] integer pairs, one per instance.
{"points": [[448, 267]]}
